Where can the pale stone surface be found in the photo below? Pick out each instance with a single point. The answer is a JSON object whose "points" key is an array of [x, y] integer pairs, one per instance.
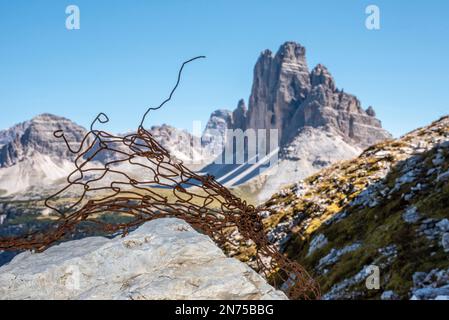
{"points": [[445, 241], [389, 295], [163, 259], [411, 215], [36, 136], [317, 242]]}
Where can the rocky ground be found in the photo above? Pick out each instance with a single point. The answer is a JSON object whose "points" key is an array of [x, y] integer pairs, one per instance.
{"points": [[388, 208]]}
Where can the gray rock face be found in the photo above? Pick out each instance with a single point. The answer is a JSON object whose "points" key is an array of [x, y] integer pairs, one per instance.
{"points": [[287, 96], [370, 111], [298, 103], [444, 176], [317, 242], [163, 259], [411, 215], [335, 254], [321, 76], [219, 121], [10, 134], [34, 158], [389, 295], [443, 225], [445, 241], [179, 143], [239, 116], [36, 136], [281, 84], [214, 135], [431, 286]]}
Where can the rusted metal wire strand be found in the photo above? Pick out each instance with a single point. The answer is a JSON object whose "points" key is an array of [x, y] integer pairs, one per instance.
{"points": [[134, 178]]}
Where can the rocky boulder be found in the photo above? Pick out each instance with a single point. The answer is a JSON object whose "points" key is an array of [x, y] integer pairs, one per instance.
{"points": [[163, 259]]}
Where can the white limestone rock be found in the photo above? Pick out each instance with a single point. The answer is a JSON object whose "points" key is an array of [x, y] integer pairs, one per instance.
{"points": [[433, 285], [389, 295], [411, 215], [163, 259], [316, 243], [445, 241], [334, 255], [443, 225]]}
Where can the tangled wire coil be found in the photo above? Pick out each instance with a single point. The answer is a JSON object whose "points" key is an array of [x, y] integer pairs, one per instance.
{"points": [[135, 179]]}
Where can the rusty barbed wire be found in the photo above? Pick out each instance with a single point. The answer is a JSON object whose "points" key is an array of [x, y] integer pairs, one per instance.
{"points": [[121, 182]]}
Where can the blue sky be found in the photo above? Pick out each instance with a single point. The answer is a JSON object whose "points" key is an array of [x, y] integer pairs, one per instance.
{"points": [[126, 55]]}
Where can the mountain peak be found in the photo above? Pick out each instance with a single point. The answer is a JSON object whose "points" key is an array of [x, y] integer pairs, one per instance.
{"points": [[48, 117], [241, 104], [320, 75], [36, 136], [266, 54], [286, 96], [291, 50], [239, 115], [370, 111]]}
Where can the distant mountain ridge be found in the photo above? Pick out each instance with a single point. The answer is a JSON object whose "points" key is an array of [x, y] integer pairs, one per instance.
{"points": [[317, 125], [9, 134], [32, 157], [36, 136]]}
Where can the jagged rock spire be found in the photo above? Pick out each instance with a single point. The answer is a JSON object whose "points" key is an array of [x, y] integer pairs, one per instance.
{"points": [[287, 97], [239, 115], [321, 76]]}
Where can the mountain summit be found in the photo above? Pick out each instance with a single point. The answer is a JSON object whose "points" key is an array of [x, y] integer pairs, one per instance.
{"points": [[36, 136], [32, 158], [287, 96], [317, 123]]}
